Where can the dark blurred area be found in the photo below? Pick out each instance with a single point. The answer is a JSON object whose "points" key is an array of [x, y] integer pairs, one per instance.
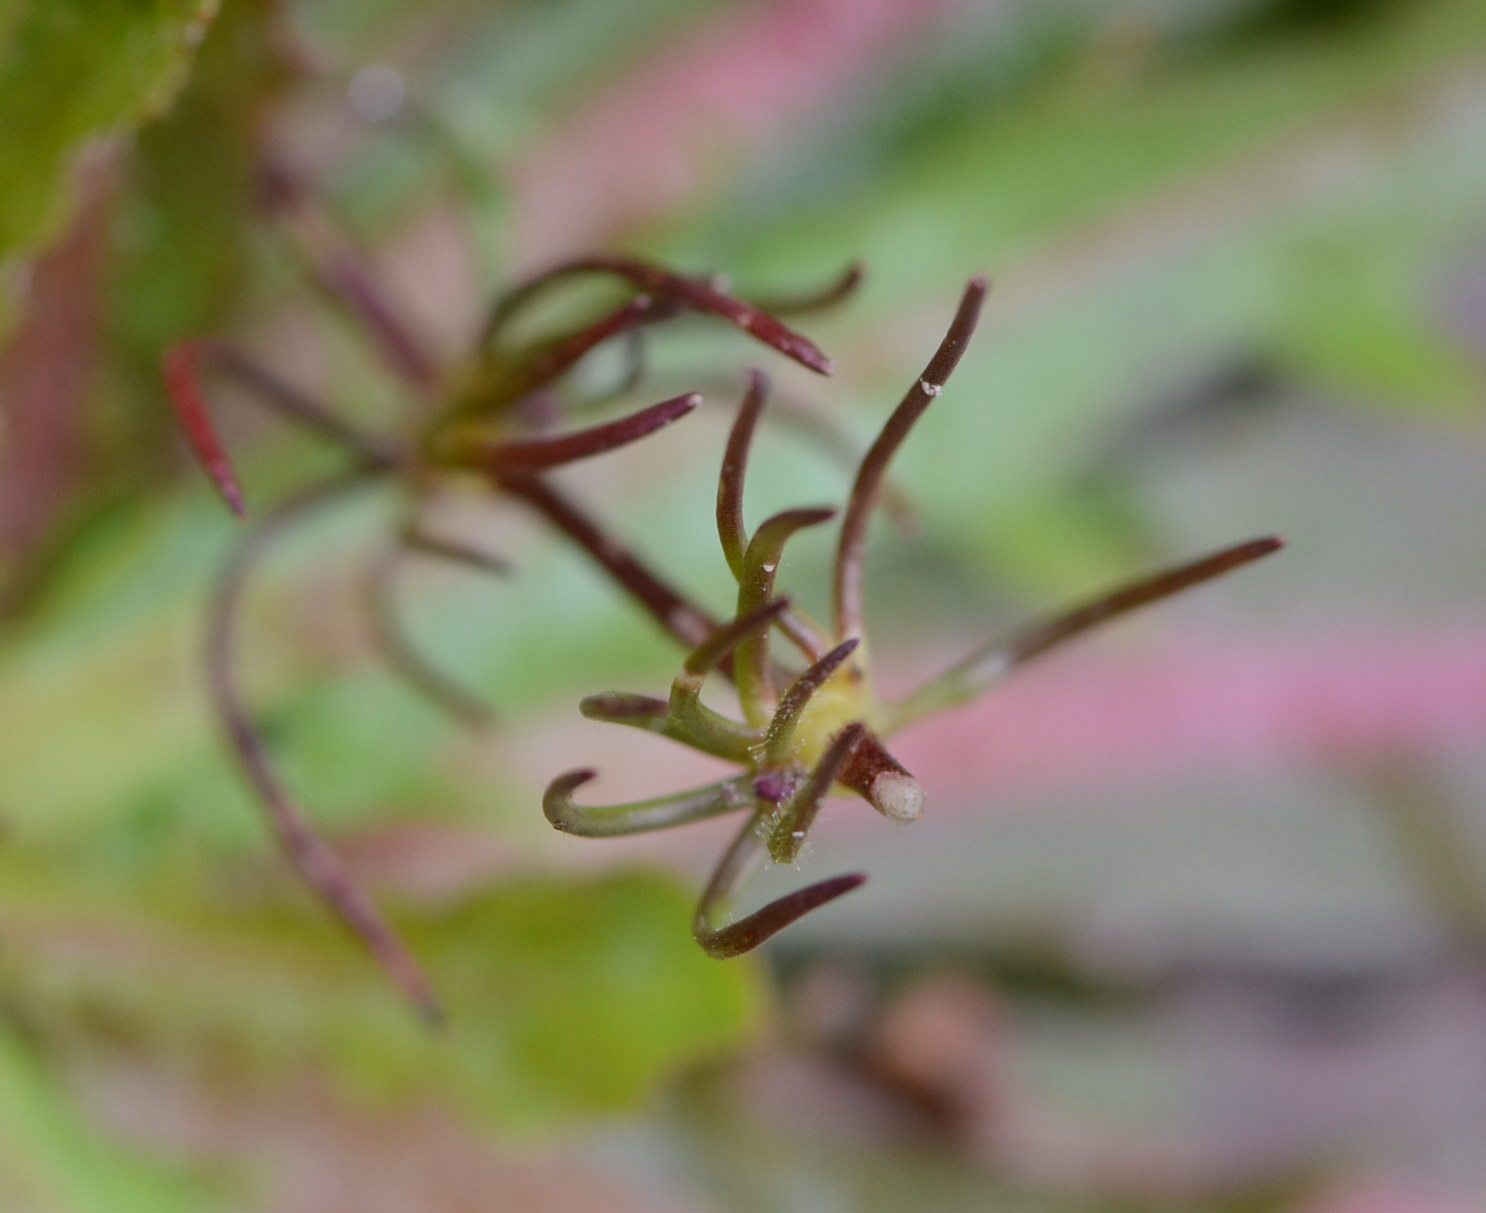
{"points": [[1196, 919]]}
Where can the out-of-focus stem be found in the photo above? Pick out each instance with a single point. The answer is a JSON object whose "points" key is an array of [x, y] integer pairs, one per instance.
{"points": [[347, 276], [403, 656], [865, 493], [676, 615], [311, 856], [696, 294], [995, 661]]}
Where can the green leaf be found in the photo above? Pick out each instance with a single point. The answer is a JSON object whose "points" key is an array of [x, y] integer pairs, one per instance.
{"points": [[566, 996], [72, 70], [186, 215]]}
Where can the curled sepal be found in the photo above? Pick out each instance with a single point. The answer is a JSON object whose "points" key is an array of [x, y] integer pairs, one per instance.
{"points": [[608, 821], [621, 707], [698, 294], [780, 736], [526, 455], [787, 833], [182, 366], [992, 662], [701, 729], [731, 531], [691, 721], [755, 586], [654, 715], [867, 489], [742, 936], [708, 655]]}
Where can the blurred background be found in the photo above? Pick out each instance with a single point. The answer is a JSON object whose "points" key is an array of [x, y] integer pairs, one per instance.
{"points": [[1196, 918]]}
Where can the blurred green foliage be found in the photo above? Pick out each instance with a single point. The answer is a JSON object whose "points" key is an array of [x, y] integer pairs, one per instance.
{"points": [[1155, 208], [567, 996], [71, 71], [1288, 190], [54, 1163]]}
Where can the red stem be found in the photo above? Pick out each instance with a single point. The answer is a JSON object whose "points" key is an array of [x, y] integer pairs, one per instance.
{"points": [[851, 549], [696, 294]]}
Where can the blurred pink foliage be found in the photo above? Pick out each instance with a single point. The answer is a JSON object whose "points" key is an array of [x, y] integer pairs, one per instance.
{"points": [[1090, 720], [1200, 705], [1388, 1199], [1110, 719], [650, 143]]}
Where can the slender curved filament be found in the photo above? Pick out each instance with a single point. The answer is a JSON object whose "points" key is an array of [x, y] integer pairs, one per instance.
{"points": [[780, 736], [658, 813], [310, 855], [738, 861], [751, 666], [787, 834], [697, 294], [992, 662], [850, 550]]}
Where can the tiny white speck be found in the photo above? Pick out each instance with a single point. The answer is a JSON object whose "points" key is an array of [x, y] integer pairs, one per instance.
{"points": [[930, 389]]}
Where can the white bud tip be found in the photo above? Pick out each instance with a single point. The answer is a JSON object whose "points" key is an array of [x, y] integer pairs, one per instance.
{"points": [[898, 796]]}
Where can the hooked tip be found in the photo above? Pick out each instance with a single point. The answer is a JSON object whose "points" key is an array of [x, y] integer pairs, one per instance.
{"points": [[557, 800]]}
